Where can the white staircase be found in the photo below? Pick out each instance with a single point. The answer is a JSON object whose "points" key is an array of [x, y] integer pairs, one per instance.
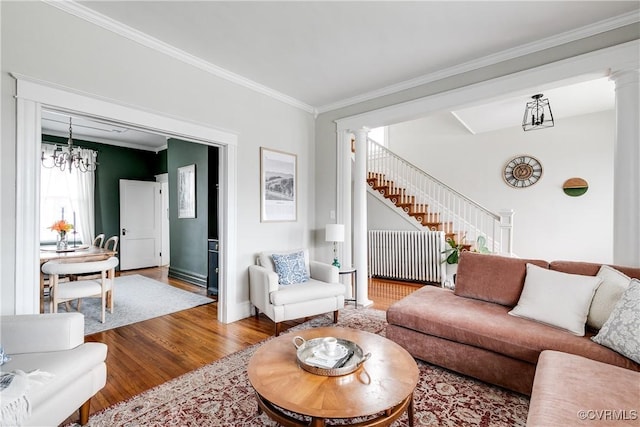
{"points": [[433, 205]]}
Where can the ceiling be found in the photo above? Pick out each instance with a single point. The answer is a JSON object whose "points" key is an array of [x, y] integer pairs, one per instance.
{"points": [[323, 55], [57, 124]]}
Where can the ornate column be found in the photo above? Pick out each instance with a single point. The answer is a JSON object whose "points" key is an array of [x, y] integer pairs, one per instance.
{"points": [[344, 213], [360, 217], [626, 166]]}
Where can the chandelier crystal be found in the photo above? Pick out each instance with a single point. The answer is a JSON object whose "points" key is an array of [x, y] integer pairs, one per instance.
{"points": [[67, 156]]}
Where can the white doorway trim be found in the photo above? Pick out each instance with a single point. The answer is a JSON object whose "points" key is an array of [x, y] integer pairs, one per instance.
{"points": [[32, 96], [165, 248]]}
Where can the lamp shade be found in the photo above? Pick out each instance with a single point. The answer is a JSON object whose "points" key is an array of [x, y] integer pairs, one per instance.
{"points": [[334, 233]]}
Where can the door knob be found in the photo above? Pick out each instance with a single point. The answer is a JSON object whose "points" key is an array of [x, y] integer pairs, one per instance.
{"points": [[124, 231]]}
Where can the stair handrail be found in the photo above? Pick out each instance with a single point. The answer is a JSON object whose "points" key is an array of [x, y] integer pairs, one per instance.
{"points": [[462, 196], [499, 238]]}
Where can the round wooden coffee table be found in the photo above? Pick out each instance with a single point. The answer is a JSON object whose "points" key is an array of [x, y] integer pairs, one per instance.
{"points": [[381, 389]]}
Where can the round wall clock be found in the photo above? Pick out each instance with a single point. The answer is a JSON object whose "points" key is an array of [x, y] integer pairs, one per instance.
{"points": [[522, 171]]}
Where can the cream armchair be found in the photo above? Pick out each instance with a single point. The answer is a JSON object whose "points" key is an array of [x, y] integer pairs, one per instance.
{"points": [[54, 344], [322, 293]]}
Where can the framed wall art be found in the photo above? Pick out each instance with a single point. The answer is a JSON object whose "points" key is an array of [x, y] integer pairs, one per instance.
{"points": [[187, 191], [278, 181]]}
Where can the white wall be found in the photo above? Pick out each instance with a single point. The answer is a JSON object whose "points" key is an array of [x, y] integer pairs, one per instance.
{"points": [[383, 216], [326, 127], [548, 224], [43, 42]]}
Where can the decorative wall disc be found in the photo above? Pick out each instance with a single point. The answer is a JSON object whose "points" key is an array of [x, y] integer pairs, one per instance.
{"points": [[575, 187]]}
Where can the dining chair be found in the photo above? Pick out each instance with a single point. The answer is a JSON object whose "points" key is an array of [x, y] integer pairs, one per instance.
{"points": [[68, 291], [99, 240], [112, 243]]}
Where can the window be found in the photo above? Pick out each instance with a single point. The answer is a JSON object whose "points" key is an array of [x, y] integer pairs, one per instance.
{"points": [[58, 200]]}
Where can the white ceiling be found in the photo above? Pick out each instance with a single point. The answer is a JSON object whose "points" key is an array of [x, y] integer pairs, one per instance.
{"points": [[566, 101], [327, 54], [57, 124]]}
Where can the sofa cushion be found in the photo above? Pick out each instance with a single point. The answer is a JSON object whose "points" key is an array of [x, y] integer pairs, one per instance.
{"points": [[492, 278], [307, 291], [613, 284], [557, 299], [66, 366], [570, 390], [439, 312], [621, 332], [291, 268], [590, 268]]}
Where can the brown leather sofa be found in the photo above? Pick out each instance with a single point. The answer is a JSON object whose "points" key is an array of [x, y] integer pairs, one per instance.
{"points": [[470, 331]]}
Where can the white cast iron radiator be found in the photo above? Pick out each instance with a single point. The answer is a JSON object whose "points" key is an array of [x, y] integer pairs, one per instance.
{"points": [[406, 255]]}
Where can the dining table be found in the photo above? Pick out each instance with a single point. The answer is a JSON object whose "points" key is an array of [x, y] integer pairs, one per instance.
{"points": [[81, 253]]}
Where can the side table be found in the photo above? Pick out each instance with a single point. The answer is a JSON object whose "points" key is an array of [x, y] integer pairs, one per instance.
{"points": [[354, 283]]}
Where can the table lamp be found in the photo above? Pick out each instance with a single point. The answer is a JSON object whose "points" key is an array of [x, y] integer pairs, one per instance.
{"points": [[335, 233]]}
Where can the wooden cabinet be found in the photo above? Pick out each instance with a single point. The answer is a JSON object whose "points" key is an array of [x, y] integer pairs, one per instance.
{"points": [[214, 268]]}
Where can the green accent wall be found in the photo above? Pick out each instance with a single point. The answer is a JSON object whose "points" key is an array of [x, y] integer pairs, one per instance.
{"points": [[188, 236], [116, 163]]}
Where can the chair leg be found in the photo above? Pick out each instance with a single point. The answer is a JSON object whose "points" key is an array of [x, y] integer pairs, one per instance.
{"points": [[335, 316], [257, 313], [84, 412], [103, 307], [277, 328]]}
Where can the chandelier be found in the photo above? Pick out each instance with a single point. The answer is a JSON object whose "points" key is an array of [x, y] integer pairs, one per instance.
{"points": [[68, 156], [537, 114]]}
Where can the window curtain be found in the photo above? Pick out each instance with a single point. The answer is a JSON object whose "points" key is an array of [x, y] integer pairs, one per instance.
{"points": [[84, 202], [74, 190]]}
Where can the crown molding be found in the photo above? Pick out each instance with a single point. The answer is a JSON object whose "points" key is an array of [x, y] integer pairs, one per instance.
{"points": [[522, 50], [89, 15]]}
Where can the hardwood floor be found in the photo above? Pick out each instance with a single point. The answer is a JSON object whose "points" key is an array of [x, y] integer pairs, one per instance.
{"points": [[146, 354]]}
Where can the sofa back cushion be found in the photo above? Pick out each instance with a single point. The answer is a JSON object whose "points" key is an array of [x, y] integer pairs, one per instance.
{"points": [[590, 268], [492, 278]]}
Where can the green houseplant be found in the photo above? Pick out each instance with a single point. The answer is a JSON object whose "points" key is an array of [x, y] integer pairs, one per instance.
{"points": [[453, 251]]}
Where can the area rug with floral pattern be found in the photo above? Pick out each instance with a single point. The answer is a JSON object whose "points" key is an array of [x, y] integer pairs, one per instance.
{"points": [[219, 394]]}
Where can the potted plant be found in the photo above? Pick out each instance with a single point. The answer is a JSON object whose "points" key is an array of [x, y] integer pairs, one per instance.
{"points": [[452, 254]]}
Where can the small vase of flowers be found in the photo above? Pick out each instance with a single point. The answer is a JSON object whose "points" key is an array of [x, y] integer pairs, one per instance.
{"points": [[62, 227]]}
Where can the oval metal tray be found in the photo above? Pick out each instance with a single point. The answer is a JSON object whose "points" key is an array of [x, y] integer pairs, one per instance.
{"points": [[307, 350]]}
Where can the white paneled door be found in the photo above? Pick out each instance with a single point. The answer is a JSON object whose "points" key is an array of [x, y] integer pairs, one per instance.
{"points": [[140, 224]]}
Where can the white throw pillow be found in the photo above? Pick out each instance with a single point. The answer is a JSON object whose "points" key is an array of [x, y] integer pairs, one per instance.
{"points": [[557, 299], [621, 331], [607, 295]]}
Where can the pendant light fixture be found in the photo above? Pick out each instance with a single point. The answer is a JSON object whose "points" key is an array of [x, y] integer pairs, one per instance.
{"points": [[537, 114], [68, 156]]}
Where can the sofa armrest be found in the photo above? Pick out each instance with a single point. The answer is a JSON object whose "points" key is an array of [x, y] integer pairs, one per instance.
{"points": [[323, 272], [35, 333], [261, 283]]}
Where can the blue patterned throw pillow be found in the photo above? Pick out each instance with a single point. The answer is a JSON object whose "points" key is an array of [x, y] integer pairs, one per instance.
{"points": [[4, 357], [290, 268]]}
